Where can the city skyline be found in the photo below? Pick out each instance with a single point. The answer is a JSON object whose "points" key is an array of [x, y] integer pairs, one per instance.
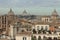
{"points": [[29, 19], [33, 11]]}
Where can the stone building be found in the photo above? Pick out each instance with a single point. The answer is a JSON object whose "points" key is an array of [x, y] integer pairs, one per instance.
{"points": [[29, 27]]}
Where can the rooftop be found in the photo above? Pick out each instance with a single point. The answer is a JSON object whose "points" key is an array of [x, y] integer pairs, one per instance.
{"points": [[24, 33], [4, 39]]}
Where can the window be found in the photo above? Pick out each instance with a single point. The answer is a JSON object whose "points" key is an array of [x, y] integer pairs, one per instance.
{"points": [[37, 27], [22, 30], [46, 28], [39, 31], [5, 19], [59, 33], [41, 27], [55, 38], [35, 38], [24, 38], [4, 29], [47, 19], [44, 38], [49, 38], [39, 38], [34, 31], [17, 29]]}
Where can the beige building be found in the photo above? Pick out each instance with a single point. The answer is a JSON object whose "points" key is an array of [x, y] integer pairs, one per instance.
{"points": [[23, 36], [24, 27]]}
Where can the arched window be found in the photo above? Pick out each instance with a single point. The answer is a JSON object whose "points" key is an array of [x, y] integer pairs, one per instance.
{"points": [[55, 38], [24, 38], [39, 31], [49, 38], [39, 38], [34, 31], [34, 37], [44, 38]]}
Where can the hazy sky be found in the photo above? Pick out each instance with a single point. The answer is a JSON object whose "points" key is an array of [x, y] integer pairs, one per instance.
{"points": [[32, 6]]}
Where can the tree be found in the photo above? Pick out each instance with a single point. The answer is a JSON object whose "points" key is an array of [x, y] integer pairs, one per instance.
{"points": [[33, 38]]}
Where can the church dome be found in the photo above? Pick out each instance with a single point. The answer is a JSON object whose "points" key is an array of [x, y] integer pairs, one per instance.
{"points": [[54, 13], [10, 12]]}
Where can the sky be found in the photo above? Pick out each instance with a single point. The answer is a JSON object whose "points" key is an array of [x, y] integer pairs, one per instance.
{"points": [[32, 6]]}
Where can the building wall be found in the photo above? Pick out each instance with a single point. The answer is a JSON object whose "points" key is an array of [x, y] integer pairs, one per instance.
{"points": [[21, 37], [11, 34], [41, 26], [46, 35], [45, 19]]}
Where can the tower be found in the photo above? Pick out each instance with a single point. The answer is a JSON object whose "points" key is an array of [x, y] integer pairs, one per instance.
{"points": [[54, 14]]}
